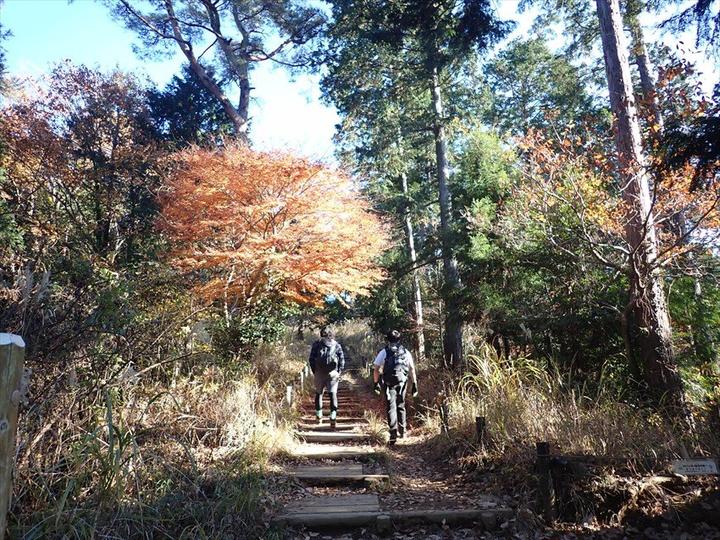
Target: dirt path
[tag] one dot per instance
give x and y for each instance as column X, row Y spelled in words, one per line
column 350, row 484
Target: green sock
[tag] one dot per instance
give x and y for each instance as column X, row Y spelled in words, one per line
column 333, row 415
column 318, row 413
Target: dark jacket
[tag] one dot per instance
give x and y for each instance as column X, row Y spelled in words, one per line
column 336, row 363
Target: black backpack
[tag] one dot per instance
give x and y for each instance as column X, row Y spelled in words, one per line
column 327, row 354
column 397, row 365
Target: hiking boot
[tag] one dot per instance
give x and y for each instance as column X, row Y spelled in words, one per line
column 333, row 419
column 319, row 417
column 393, row 437
column 401, row 434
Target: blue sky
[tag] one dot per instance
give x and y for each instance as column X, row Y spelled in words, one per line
column 286, row 113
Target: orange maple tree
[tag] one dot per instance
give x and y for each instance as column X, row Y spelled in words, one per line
column 247, row 224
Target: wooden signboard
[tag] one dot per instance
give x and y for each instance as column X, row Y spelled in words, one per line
column 695, row 467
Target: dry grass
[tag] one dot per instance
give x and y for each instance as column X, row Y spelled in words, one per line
column 144, row 460
column 523, row 402
column 377, row 428
column 162, row 455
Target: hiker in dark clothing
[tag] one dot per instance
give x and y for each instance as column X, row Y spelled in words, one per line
column 398, row 369
column 327, row 362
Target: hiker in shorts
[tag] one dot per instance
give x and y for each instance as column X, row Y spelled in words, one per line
column 327, row 362
column 398, row 369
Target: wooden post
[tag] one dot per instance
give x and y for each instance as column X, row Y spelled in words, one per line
column 480, row 430
column 302, row 380
column 444, row 414
column 12, row 356
column 289, row 395
column 308, row 375
column 545, row 485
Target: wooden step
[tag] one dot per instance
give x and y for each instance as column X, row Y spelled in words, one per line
column 334, row 452
column 343, row 416
column 334, row 474
column 312, row 420
column 334, row 504
column 490, row 518
column 341, row 408
column 331, row 436
column 326, row 426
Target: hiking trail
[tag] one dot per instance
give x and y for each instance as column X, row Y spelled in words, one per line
column 354, row 486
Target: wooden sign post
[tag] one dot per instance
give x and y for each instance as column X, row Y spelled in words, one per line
column 12, row 356
column 445, row 416
column 480, row 430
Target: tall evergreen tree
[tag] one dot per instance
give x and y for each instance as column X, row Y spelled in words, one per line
column 427, row 41
column 184, row 113
column 648, row 305
column 534, row 87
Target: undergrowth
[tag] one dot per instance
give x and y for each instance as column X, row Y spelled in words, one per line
column 182, row 450
column 146, row 459
column 524, row 401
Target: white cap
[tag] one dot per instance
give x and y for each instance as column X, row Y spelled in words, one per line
column 7, row 339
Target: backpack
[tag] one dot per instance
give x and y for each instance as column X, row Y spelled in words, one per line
column 327, row 355
column 397, row 365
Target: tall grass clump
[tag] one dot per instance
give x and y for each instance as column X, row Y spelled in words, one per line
column 525, row 400
column 143, row 459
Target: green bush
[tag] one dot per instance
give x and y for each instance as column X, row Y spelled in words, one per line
column 238, row 338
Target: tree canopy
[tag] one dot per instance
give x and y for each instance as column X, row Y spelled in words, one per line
column 263, row 224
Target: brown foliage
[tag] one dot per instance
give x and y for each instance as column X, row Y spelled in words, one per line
column 571, row 186
column 250, row 223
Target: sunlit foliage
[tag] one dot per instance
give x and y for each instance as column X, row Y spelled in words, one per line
column 250, row 223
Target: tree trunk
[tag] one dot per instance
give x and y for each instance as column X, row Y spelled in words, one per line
column 452, row 342
column 648, row 305
column 642, row 60
column 238, row 120
column 417, row 293
column 702, row 341
column 633, row 9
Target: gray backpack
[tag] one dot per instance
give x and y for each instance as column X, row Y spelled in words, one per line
column 397, row 365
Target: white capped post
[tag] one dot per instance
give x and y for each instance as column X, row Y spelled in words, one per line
column 12, row 357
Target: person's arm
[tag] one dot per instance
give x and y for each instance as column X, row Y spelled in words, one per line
column 378, row 363
column 340, row 359
column 313, row 356
column 413, row 373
